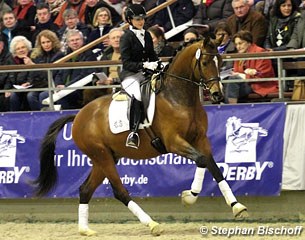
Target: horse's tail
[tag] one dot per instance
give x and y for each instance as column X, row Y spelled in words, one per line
column 48, row 172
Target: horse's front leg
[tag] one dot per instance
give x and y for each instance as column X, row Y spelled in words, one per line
column 203, row 160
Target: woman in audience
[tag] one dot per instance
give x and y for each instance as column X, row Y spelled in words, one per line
column 248, row 69
column 102, row 25
column 20, row 49
column 47, row 50
column 160, row 45
column 285, row 17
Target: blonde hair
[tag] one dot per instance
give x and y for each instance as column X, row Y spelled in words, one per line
column 98, row 11
column 38, row 50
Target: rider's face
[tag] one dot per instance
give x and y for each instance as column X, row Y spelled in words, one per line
column 138, row 22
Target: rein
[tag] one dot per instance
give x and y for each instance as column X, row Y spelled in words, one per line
column 202, row 82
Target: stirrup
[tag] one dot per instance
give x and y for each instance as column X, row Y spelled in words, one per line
column 133, row 140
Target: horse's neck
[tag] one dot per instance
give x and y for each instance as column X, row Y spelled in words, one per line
column 176, row 87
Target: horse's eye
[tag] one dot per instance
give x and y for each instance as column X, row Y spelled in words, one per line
column 204, row 63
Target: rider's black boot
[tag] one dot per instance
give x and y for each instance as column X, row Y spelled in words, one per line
column 133, row 139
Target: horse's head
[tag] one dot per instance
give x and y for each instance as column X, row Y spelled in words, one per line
column 206, row 64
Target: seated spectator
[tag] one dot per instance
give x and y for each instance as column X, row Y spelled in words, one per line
column 182, row 11
column 161, row 47
column 78, row 5
column 12, row 27
column 211, row 12
column 281, row 25
column 25, row 12
column 245, row 18
column 3, row 8
column 44, row 21
column 54, row 6
column 112, row 52
column 66, row 77
column 5, row 59
column 248, row 69
column 190, row 34
column 47, row 50
column 93, row 5
column 20, row 49
column 102, row 24
column 222, row 30
column 72, row 22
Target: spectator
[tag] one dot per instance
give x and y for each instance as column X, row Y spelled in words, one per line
column 137, row 52
column 222, row 30
column 182, row 11
column 248, row 69
column 281, row 25
column 78, row 5
column 297, row 39
column 3, row 8
column 66, row 77
column 93, row 5
column 161, row 47
column 25, row 12
column 54, row 7
column 5, row 59
column 112, row 52
column 190, row 34
column 245, row 18
column 12, row 28
column 20, row 49
column 102, row 24
column 72, row 22
column 211, row 12
column 47, row 50
column 44, row 21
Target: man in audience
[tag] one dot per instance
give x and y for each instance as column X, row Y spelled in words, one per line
column 72, row 22
column 245, row 18
column 112, row 52
column 66, row 77
column 44, row 21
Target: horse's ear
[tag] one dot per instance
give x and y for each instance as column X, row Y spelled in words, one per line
column 206, row 40
column 218, row 41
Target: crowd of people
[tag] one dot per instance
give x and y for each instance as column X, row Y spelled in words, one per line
column 43, row 31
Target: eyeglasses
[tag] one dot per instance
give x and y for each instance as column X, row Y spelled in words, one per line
column 103, row 15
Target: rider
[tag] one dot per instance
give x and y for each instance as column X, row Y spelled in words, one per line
column 137, row 54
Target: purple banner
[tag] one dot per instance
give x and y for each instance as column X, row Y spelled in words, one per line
column 247, row 142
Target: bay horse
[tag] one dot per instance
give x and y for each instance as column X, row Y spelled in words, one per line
column 179, row 121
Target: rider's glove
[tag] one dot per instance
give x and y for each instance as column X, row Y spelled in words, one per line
column 151, row 65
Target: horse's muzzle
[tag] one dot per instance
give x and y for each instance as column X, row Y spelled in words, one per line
column 217, row 97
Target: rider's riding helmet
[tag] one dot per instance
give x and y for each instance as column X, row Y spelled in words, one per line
column 134, row 11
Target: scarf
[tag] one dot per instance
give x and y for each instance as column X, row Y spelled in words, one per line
column 21, row 11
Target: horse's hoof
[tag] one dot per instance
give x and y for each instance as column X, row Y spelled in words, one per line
column 188, row 198
column 87, row 232
column 155, row 228
column 240, row 211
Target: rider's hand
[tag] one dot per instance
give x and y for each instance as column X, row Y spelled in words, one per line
column 151, row 65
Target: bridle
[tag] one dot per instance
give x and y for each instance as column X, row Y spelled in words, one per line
column 203, row 82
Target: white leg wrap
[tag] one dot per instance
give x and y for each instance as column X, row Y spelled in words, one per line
column 227, row 192
column 83, row 215
column 198, row 180
column 139, row 213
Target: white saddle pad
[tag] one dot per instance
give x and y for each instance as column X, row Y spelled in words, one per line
column 118, row 120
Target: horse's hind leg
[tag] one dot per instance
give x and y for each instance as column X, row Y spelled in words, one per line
column 122, row 194
column 86, row 191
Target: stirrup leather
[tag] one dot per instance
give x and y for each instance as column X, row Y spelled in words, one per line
column 133, row 140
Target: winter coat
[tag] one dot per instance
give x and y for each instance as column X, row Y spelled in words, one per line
column 264, row 70
column 254, row 22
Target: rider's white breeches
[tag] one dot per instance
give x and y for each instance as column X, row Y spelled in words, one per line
column 131, row 85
